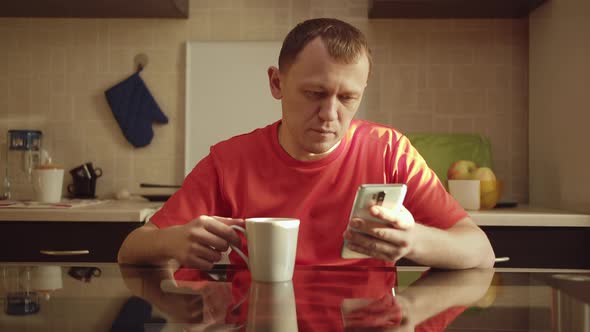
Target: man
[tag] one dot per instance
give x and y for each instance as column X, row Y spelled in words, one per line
column 308, row 165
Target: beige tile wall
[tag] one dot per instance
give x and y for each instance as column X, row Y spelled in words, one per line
column 430, row 76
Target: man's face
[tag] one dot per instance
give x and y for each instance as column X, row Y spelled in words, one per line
column 320, row 96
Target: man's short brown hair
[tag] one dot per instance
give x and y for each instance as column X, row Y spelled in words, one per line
column 343, row 41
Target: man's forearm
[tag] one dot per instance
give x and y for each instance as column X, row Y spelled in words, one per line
column 441, row 290
column 462, row 246
column 143, row 246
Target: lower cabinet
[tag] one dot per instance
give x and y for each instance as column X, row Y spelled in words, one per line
column 526, row 247
column 62, row 241
column 537, row 247
column 541, row 247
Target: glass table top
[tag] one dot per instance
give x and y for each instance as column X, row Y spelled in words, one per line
column 110, row 297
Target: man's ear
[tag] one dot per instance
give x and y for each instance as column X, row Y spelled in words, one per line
column 274, row 80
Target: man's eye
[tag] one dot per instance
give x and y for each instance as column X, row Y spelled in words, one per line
column 314, row 94
column 347, row 99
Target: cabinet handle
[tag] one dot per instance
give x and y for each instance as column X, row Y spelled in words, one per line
column 502, row 259
column 64, row 252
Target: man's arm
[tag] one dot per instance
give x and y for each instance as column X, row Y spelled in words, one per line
column 198, row 243
column 144, row 246
column 462, row 246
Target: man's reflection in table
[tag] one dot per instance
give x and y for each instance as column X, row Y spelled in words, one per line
column 317, row 299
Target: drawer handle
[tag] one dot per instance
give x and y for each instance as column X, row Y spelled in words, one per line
column 64, row 252
column 502, row 259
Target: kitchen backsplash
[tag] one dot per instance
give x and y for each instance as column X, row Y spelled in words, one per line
column 447, row 75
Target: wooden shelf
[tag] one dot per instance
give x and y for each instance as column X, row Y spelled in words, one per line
column 96, row 8
column 452, row 8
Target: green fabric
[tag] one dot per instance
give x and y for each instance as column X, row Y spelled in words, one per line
column 441, row 150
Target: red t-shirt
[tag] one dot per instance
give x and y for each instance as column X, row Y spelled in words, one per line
column 251, row 175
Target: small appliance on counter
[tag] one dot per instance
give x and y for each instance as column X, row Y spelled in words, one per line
column 23, row 153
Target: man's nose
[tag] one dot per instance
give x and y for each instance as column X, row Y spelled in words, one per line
column 329, row 109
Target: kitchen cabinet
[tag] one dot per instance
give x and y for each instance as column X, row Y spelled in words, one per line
column 530, row 237
column 62, row 241
column 84, row 234
column 452, row 8
column 96, row 9
column 541, row 247
column 535, row 237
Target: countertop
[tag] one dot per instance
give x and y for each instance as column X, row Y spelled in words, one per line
column 107, row 211
column 523, row 215
column 132, row 210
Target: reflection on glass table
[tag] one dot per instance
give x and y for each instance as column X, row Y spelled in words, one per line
column 109, row 297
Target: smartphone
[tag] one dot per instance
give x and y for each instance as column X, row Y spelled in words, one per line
column 390, row 196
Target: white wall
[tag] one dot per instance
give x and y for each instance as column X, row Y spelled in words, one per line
column 559, row 111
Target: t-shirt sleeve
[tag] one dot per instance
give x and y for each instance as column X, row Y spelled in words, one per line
column 198, row 195
column 427, row 199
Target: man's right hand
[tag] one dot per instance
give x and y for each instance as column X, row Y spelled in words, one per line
column 200, row 242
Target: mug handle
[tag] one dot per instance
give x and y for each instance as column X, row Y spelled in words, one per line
column 98, row 172
column 237, row 250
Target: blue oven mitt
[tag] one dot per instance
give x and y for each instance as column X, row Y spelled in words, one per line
column 135, row 109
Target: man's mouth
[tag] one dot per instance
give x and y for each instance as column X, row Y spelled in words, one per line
column 323, row 131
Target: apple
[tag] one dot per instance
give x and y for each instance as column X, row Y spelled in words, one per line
column 462, row 170
column 483, row 174
column 487, row 178
column 488, row 199
column 489, row 188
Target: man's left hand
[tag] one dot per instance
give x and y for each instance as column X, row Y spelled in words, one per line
column 390, row 240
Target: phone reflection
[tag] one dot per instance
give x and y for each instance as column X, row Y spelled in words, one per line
column 317, row 299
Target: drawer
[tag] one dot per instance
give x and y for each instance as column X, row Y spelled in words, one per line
column 62, row 241
column 541, row 247
column 537, row 247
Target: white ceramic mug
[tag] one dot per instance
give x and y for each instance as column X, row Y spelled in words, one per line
column 271, row 307
column 47, row 184
column 272, row 244
column 466, row 193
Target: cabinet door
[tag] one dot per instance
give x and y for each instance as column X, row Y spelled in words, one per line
column 62, row 241
column 537, row 247
column 541, row 247
column 97, row 9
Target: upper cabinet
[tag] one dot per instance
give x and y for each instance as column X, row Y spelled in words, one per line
column 452, row 8
column 96, row 8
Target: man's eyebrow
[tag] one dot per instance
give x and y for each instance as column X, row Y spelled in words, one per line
column 312, row 84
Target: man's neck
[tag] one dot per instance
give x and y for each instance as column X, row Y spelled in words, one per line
column 303, row 157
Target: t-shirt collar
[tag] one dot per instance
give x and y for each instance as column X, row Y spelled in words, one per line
column 285, row 157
